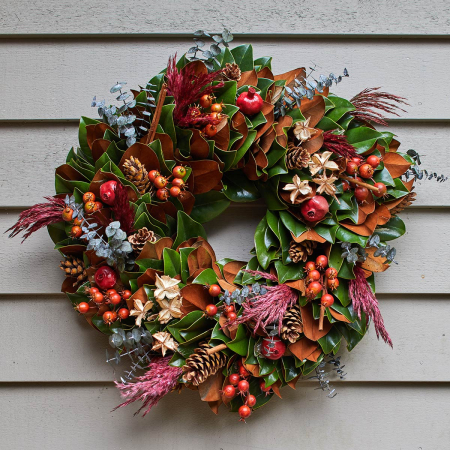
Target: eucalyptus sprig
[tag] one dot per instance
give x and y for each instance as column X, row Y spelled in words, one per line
column 208, row 56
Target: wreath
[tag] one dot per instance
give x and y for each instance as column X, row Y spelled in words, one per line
column 217, row 127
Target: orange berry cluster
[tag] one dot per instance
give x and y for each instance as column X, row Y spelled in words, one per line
column 215, row 114
column 110, row 297
column 320, row 278
column 161, row 183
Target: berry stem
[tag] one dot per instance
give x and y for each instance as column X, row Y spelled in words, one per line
column 360, row 183
column 216, row 349
column 322, row 315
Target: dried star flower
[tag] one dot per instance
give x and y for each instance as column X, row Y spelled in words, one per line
column 326, row 185
column 169, row 309
column 163, row 341
column 166, row 287
column 141, row 311
column 303, row 131
column 298, row 187
column 321, row 162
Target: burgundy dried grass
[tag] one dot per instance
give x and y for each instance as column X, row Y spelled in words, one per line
column 337, row 143
column 186, row 88
column 270, row 307
column 370, row 99
column 37, row 217
column 122, row 210
column 159, row 380
column 364, row 300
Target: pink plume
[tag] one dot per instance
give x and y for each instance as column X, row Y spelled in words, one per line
column 370, row 99
column 37, row 217
column 269, row 307
column 150, row 388
column 364, row 300
column 337, row 143
column 186, row 88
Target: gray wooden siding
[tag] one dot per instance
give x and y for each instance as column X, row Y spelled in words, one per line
column 55, row 389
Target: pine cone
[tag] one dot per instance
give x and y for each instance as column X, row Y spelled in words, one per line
column 300, row 252
column 199, row 366
column 231, row 72
column 74, row 267
column 135, row 172
column 138, row 240
column 292, row 324
column 406, row 201
column 297, row 157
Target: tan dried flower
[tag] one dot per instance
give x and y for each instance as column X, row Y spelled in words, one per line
column 326, row 185
column 169, row 309
column 303, row 131
column 141, row 310
column 163, row 341
column 298, row 187
column 166, row 287
column 322, row 162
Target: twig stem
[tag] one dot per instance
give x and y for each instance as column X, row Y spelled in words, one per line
column 360, row 183
column 216, row 349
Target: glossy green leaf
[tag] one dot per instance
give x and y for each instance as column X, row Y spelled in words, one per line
column 172, row 264
column 292, row 224
column 206, row 277
column 243, row 56
column 330, row 340
column 209, row 205
column 182, row 324
column 345, row 235
column 289, row 272
column 238, row 188
column 239, row 344
column 362, row 138
column 187, row 228
column 264, row 254
column 391, row 230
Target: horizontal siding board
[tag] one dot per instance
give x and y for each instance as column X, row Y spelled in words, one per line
column 40, row 147
column 375, row 417
column 294, row 17
column 61, row 346
column 68, row 73
column 33, row 266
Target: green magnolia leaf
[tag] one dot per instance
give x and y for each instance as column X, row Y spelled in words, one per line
column 266, row 366
column 239, row 344
column 243, row 56
column 342, row 293
column 341, row 107
column 184, row 253
column 345, row 235
column 82, row 135
column 217, row 333
column 187, row 228
column 167, row 124
column 184, row 323
column 290, row 369
column 362, row 138
column 172, row 263
column 207, row 277
column 330, row 340
column 391, row 230
column 288, row 272
column 346, row 271
column 264, row 252
column 350, row 335
column 209, row 205
column 292, row 224
column 238, row 188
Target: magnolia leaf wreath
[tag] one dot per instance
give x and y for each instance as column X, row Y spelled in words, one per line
column 217, row 127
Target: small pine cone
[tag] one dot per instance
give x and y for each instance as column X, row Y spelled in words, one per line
column 406, row 201
column 297, row 157
column 292, row 324
column 136, row 172
column 231, row 72
column 300, row 251
column 199, row 366
column 74, row 268
column 138, row 239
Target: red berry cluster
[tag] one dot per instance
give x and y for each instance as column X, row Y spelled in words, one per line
column 320, row 278
column 165, row 186
column 110, row 297
column 214, row 291
column 213, row 117
column 240, row 386
column 357, row 166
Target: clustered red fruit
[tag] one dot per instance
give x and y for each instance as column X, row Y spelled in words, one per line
column 365, row 170
column 162, row 183
column 239, row 385
column 315, row 282
column 110, row 297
